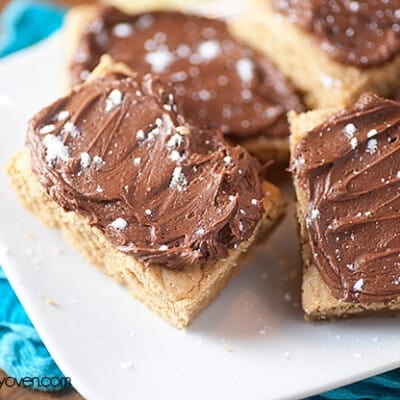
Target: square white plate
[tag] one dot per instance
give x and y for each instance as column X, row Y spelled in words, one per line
column 251, row 342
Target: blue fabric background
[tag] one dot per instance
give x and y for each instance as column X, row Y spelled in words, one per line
column 22, row 353
column 25, row 22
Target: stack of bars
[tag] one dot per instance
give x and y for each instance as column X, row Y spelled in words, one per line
column 153, row 163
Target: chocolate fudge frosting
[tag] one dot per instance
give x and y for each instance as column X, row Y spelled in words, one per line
column 219, row 82
column 349, row 169
column 361, row 33
column 116, row 150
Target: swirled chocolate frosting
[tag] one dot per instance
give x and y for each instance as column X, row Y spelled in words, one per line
column 219, row 82
column 363, row 33
column 349, row 169
column 116, row 150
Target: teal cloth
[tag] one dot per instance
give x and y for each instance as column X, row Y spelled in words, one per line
column 22, row 353
column 382, row 387
column 25, row 22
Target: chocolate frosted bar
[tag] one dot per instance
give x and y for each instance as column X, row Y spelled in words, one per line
column 219, row 82
column 359, row 33
column 168, row 209
column 347, row 177
column 331, row 50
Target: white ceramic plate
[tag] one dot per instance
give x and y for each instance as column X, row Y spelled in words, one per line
column 251, row 342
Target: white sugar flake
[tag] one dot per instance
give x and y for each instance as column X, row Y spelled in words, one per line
column 200, row 231
column 244, row 68
column 353, row 143
column 350, row 130
column 354, row 6
column 372, row 133
column 153, row 133
column 140, row 134
column 183, row 50
column 159, row 60
column 204, row 95
column 55, row 148
column 176, row 156
column 228, row 160
column 209, row 50
column 113, row 100
column 45, row 129
column 119, row 224
column 70, row 128
column 359, row 285
column 122, row 30
column 85, row 160
column 350, row 267
column 178, row 180
column 145, row 21
column 62, row 115
column 175, row 140
column 314, row 214
column 372, row 146
column 98, row 162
